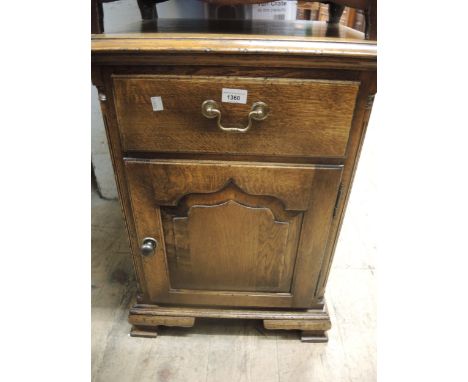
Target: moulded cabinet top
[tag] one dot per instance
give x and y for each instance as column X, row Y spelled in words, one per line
column 304, row 38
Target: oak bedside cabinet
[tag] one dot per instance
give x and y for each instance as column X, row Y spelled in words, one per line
column 234, row 146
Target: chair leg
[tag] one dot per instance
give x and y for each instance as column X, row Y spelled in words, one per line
column 371, row 21
column 334, row 12
column 97, row 17
column 148, row 9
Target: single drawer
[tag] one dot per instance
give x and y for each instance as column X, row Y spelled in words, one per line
column 306, row 118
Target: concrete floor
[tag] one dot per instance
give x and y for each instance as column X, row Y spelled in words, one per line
column 225, row 350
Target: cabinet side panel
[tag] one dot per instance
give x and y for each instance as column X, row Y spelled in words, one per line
column 361, row 118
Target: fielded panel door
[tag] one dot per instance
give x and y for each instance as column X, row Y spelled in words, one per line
column 232, row 233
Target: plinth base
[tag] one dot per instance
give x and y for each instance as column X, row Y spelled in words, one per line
column 313, row 323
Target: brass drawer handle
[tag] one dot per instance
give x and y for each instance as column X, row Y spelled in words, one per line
column 148, row 247
column 259, row 112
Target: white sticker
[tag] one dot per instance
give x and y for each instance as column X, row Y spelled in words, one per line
column 157, row 103
column 234, row 95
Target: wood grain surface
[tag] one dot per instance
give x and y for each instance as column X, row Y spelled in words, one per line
column 231, row 246
column 306, row 118
column 170, row 180
column 268, row 240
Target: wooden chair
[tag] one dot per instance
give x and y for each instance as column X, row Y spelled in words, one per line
column 147, row 9
column 335, row 10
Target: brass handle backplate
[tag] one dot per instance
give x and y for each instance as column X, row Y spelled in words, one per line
column 149, row 246
column 258, row 112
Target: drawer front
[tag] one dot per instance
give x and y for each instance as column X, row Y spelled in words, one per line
column 233, row 234
column 306, row 118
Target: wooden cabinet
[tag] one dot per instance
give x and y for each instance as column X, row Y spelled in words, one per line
column 233, row 208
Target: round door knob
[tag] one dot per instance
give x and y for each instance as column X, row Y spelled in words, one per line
column 148, row 247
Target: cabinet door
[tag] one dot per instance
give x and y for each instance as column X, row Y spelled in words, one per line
column 231, row 233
